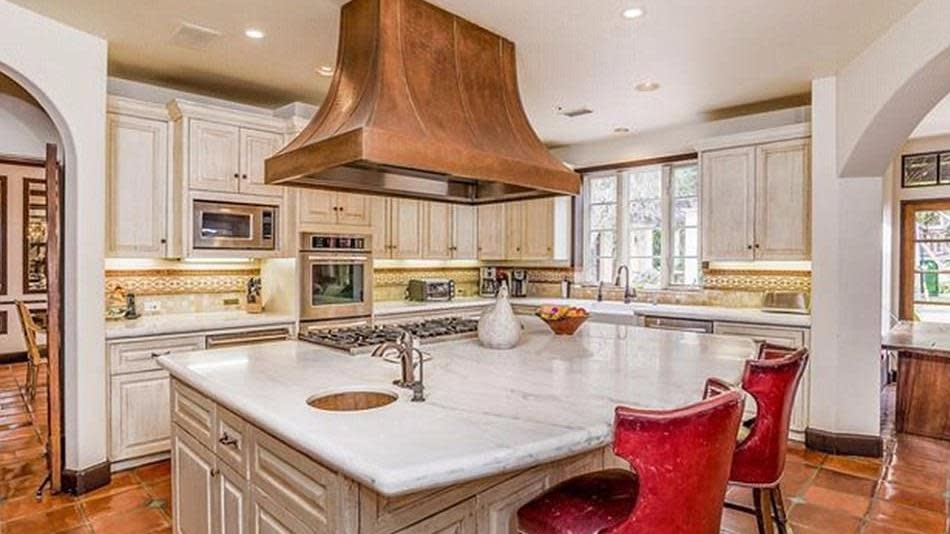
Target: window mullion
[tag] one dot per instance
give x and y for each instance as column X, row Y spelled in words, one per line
column 623, row 201
column 666, row 233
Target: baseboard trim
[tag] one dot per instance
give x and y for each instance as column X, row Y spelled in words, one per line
column 846, row 444
column 86, row 480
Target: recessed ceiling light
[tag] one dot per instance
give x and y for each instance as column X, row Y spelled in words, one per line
column 254, row 33
column 633, row 13
column 646, row 87
column 621, row 130
column 325, row 70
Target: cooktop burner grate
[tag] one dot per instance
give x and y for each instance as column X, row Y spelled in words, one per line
column 365, row 338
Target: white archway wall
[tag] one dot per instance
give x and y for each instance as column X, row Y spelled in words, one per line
column 65, row 70
column 884, row 93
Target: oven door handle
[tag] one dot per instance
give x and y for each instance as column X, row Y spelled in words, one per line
column 338, row 259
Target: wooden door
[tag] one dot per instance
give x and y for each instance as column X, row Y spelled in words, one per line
column 257, row 146
column 213, row 156
column 193, row 493
column 353, row 209
column 379, row 226
column 136, row 187
column 139, row 416
column 464, row 232
column 232, row 506
column 538, row 230
column 436, row 231
column 925, row 260
column 54, row 315
column 316, row 207
column 406, row 228
column 783, row 201
column 728, row 197
column 514, row 230
column 491, row 232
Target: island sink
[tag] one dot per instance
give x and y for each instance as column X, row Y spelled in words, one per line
column 352, row 401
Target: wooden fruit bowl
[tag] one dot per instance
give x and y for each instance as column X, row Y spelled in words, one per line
column 566, row 326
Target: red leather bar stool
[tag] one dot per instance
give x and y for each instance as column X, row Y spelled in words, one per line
column 759, row 458
column 680, row 465
column 771, row 351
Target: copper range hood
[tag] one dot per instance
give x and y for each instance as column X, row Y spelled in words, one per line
column 423, row 104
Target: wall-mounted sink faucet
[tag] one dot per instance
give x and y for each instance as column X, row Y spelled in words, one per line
column 405, row 348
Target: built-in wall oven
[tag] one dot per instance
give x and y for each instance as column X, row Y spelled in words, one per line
column 234, row 226
column 336, row 277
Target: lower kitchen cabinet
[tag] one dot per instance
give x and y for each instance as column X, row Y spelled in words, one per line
column 232, row 501
column 193, row 494
column 140, row 414
column 789, row 337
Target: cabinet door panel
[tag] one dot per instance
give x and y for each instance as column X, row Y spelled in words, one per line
column 213, row 156
column 192, row 486
column 352, row 209
column 137, row 183
column 437, row 231
column 232, row 502
column 783, row 201
column 269, row 518
column 538, row 230
column 139, row 418
column 464, row 233
column 316, row 207
column 514, row 230
column 491, row 232
column 379, row 221
column 728, row 190
column 257, row 146
column 459, row 519
column 406, row 228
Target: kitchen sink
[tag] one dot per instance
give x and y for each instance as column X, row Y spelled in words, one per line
column 352, row 400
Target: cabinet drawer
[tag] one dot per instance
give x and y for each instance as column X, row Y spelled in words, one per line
column 231, row 440
column 791, row 337
column 135, row 356
column 306, row 489
column 193, row 412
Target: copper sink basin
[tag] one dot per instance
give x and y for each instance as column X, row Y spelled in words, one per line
column 352, row 401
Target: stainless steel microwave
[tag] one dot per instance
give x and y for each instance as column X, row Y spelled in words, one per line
column 234, row 226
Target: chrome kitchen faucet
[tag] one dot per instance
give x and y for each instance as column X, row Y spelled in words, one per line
column 405, row 348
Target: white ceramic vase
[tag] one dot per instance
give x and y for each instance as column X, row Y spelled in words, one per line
column 499, row 327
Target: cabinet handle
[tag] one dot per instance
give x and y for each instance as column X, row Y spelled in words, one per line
column 756, row 245
column 228, row 441
column 159, row 354
column 214, row 472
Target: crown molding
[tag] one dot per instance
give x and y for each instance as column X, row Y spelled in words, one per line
column 755, row 137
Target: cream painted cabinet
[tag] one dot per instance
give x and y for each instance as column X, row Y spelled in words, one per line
column 331, row 208
column 138, row 164
column 464, row 232
column 139, row 414
column 232, row 501
column 213, row 156
column 436, row 231
column 537, row 230
column 405, row 229
column 728, row 198
column 783, row 201
column 379, row 225
column 193, row 491
column 757, row 202
column 491, row 232
column 537, row 242
column 256, row 147
column 514, row 230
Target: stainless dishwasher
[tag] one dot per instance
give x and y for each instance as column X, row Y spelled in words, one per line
column 684, row 325
column 216, row 341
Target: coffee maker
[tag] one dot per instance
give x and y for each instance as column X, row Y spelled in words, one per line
column 488, row 282
column 519, row 283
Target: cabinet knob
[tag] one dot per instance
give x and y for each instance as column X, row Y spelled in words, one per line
column 756, row 245
column 164, row 241
column 244, row 176
column 237, row 175
column 748, row 247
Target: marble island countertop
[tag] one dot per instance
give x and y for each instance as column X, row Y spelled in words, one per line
column 486, row 411
column 183, row 323
column 612, row 308
column 919, row 336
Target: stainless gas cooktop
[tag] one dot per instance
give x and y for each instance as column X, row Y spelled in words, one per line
column 362, row 339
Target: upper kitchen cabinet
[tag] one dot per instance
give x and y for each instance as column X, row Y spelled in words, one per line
column 531, row 230
column 137, row 185
column 256, row 146
column 316, row 207
column 756, row 191
column 405, row 228
column 449, row 232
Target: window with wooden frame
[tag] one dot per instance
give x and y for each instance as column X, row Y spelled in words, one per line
column 645, row 217
column 925, row 260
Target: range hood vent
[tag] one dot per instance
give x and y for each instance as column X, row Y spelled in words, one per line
column 423, row 104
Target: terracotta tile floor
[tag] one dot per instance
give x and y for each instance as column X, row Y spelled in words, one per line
column 906, row 491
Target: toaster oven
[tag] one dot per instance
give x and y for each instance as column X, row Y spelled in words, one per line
column 430, row 289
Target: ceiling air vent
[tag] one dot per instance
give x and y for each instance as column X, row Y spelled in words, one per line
column 194, row 37
column 571, row 113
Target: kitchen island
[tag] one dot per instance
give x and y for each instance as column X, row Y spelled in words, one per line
column 923, row 377
column 497, row 427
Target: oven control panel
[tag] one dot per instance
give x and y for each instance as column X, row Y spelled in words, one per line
column 336, row 242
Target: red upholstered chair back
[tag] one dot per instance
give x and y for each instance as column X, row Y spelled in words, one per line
column 772, row 351
column 760, row 458
column 682, row 460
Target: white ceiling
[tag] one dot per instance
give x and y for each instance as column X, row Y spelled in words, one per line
column 707, row 54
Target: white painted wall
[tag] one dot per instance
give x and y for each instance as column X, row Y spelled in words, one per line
column 846, row 283
column 679, row 139
column 24, row 126
column 65, row 70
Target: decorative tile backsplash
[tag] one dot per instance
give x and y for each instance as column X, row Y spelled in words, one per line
column 748, row 280
column 180, row 282
column 390, row 284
